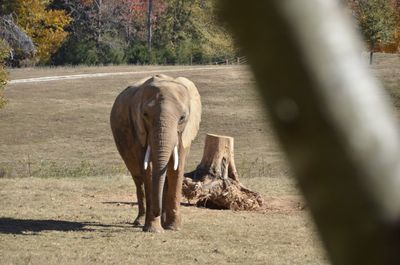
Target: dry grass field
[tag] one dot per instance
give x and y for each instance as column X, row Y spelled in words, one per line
column 61, row 128
column 65, row 197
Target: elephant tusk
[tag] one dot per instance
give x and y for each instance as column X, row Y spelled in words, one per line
column 176, row 158
column 146, row 158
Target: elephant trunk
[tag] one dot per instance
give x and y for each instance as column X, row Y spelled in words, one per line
column 162, row 146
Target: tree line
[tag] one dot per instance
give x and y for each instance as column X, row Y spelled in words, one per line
column 94, row 32
column 97, row 32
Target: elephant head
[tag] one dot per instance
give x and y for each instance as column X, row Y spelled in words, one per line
column 166, row 117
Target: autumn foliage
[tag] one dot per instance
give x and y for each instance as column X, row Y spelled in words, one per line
column 4, row 53
column 96, row 32
column 46, row 27
column 101, row 32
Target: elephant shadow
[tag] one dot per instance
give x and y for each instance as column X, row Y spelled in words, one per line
column 120, row 203
column 187, row 204
column 32, row 227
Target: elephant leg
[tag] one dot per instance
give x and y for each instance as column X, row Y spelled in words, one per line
column 152, row 223
column 139, row 221
column 173, row 220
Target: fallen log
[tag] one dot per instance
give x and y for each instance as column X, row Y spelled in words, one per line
column 215, row 182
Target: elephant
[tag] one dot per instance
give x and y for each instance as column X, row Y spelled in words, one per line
column 153, row 123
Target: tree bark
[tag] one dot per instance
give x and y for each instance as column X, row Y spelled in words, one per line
column 371, row 53
column 149, row 24
column 215, row 182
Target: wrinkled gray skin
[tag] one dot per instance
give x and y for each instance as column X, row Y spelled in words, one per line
column 160, row 112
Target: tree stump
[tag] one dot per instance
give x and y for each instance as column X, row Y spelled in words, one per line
column 215, row 183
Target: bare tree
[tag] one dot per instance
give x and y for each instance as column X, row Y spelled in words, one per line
column 16, row 38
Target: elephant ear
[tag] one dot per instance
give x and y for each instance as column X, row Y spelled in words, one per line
column 136, row 110
column 192, row 125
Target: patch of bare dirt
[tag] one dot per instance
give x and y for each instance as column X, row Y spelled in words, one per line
column 283, row 204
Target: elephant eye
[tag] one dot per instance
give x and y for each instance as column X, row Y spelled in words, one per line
column 145, row 114
column 182, row 118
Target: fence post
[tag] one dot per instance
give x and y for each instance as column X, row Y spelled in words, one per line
column 332, row 120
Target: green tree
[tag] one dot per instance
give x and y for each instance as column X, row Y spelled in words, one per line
column 376, row 21
column 214, row 40
column 189, row 31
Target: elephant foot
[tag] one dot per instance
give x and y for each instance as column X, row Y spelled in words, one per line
column 174, row 224
column 153, row 225
column 172, row 227
column 139, row 221
column 153, row 229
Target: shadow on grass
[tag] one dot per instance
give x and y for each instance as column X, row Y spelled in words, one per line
column 28, row 226
column 121, row 203
column 186, row 204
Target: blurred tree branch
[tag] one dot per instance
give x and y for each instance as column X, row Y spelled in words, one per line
column 332, row 120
